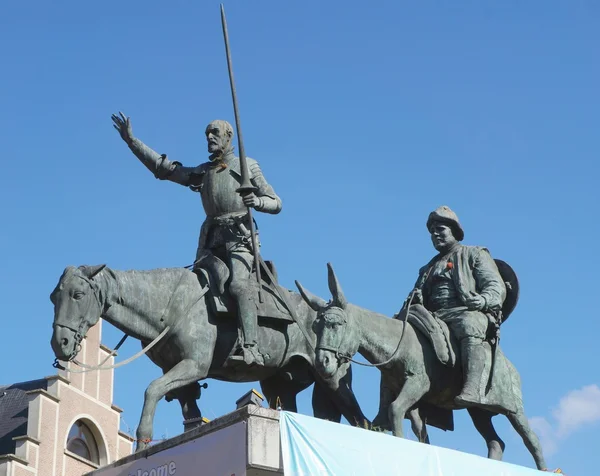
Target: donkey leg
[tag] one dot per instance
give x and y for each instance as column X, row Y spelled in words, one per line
column 412, row 391
column 351, row 408
column 482, row 419
column 521, row 425
column 418, row 426
column 381, row 422
column 339, row 387
column 185, row 372
column 323, row 405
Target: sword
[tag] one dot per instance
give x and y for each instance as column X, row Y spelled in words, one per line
column 246, row 186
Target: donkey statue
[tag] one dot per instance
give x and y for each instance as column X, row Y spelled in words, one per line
column 411, row 374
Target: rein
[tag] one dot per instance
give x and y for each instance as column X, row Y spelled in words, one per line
column 287, row 303
column 341, row 356
column 91, row 368
column 344, row 357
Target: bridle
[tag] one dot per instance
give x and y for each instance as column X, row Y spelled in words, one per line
column 78, row 333
column 340, row 314
column 347, row 358
column 78, row 337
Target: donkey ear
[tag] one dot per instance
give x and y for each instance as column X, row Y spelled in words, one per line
column 339, row 299
column 91, row 271
column 315, row 302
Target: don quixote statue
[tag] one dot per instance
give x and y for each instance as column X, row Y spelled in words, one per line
column 227, row 317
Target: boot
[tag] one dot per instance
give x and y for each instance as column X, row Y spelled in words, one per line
column 473, row 359
column 248, row 316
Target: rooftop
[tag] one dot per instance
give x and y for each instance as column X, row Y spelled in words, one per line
column 14, row 411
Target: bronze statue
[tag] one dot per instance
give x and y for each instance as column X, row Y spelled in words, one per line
column 460, row 299
column 462, row 287
column 225, row 238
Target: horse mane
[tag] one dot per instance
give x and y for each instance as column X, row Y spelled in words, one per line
column 123, row 279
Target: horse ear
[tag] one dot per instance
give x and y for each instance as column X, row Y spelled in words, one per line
column 339, row 299
column 91, row 271
column 315, row 302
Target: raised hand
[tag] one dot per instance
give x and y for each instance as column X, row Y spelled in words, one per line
column 123, row 125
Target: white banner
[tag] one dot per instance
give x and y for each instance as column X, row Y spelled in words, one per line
column 312, row 447
column 221, row 453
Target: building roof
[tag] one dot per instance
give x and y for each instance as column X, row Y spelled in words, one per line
column 14, row 411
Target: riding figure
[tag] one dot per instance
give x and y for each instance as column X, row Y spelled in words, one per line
column 224, row 235
column 462, row 287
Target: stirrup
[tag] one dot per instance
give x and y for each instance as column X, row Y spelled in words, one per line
column 467, row 398
column 252, row 355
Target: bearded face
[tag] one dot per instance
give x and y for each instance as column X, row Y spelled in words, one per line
column 218, row 137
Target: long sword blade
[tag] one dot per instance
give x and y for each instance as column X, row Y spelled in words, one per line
column 246, row 185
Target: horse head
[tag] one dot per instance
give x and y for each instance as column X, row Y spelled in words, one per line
column 337, row 337
column 77, row 307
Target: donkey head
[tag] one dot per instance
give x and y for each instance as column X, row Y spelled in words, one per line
column 337, row 338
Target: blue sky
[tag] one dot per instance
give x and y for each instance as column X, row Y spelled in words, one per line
column 364, row 119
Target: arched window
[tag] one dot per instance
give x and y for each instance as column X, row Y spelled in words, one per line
column 81, row 441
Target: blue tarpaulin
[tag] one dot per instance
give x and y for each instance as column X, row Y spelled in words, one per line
column 312, row 447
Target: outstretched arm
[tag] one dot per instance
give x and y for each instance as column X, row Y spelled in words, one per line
column 158, row 164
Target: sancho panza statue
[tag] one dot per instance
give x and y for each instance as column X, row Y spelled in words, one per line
column 224, row 234
column 461, row 286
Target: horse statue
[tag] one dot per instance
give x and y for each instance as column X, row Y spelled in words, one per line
column 411, row 374
column 172, row 309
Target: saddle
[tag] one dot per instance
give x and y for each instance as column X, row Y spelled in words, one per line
column 436, row 331
column 214, row 273
column 439, row 335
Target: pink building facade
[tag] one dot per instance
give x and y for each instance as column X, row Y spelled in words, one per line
column 65, row 424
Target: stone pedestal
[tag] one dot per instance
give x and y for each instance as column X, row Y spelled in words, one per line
column 245, row 441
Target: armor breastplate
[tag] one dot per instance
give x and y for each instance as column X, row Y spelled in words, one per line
column 219, row 185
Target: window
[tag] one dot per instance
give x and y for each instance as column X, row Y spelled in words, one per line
column 81, row 441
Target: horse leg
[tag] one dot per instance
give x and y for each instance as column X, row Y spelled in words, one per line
column 482, row 419
column 521, row 425
column 187, row 397
column 185, row 372
column 412, row 391
column 418, row 427
column 323, row 405
column 281, row 392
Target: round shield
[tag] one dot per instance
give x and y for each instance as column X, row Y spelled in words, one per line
column 512, row 288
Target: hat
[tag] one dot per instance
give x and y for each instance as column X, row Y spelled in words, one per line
column 443, row 214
